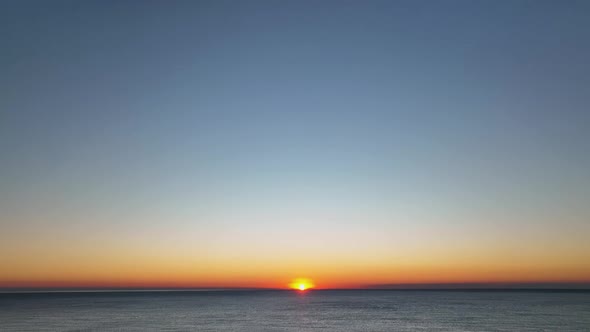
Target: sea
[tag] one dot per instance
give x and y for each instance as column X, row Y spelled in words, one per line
column 312, row 310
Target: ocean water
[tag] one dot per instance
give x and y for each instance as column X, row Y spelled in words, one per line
column 314, row 310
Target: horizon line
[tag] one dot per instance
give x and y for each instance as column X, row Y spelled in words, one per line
column 556, row 286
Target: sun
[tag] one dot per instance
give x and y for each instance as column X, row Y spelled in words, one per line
column 301, row 284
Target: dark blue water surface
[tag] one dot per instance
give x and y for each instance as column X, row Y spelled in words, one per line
column 362, row 310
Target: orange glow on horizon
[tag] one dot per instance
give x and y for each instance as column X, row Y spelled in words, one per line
column 164, row 266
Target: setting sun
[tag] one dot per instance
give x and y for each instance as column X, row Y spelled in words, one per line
column 301, row 284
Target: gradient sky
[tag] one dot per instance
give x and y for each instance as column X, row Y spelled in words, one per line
column 247, row 143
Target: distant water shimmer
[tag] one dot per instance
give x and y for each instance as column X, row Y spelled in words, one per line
column 293, row 311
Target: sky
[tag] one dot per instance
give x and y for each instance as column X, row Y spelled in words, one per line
column 248, row 143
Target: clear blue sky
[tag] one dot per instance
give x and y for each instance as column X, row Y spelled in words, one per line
column 397, row 123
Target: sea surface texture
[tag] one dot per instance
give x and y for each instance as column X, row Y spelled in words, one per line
column 297, row 311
